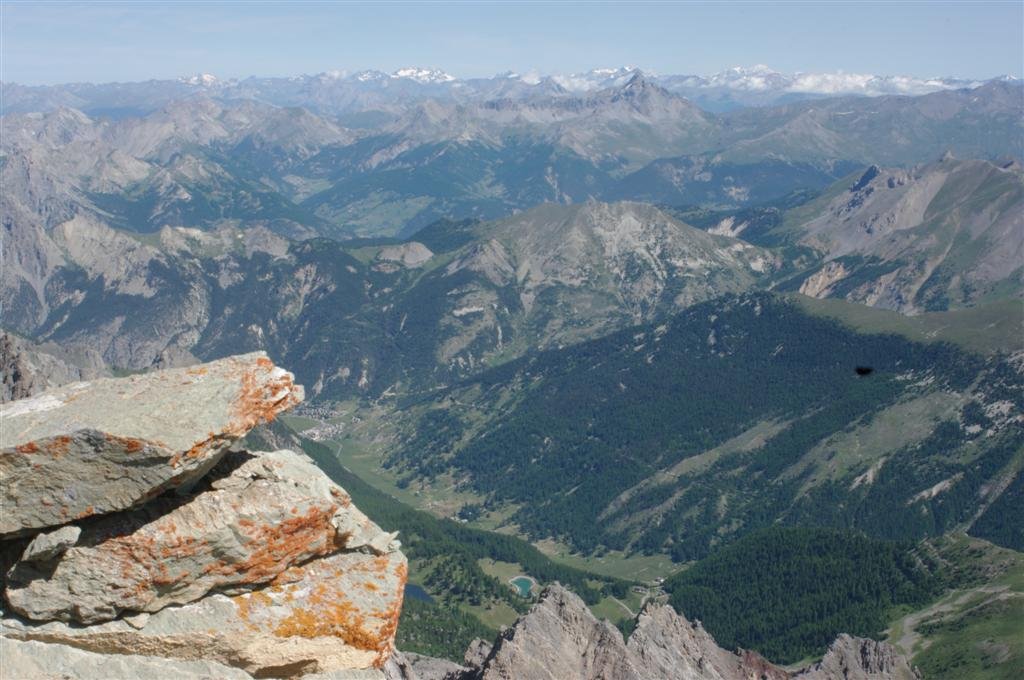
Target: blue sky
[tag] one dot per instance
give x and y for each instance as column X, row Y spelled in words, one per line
column 45, row 42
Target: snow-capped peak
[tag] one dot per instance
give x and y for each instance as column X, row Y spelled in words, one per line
column 201, row 79
column 423, row 75
column 367, row 76
column 754, row 78
column 596, row 79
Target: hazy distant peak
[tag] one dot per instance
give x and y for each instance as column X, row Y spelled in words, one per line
column 423, row 75
column 201, row 79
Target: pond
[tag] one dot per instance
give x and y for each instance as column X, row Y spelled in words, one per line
column 417, row 593
column 523, row 584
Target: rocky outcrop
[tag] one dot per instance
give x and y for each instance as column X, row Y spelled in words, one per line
column 853, row 658
column 93, row 448
column 275, row 510
column 561, row 639
column 244, row 564
column 412, row 666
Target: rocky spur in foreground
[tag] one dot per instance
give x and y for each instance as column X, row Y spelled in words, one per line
column 134, row 529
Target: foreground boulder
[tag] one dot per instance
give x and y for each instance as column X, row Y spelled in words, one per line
column 102, row 446
column 188, row 559
column 271, row 512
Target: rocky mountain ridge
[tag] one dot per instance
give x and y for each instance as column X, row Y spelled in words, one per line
column 415, row 313
column 410, row 314
column 945, row 235
column 196, row 161
column 559, row 639
column 27, row 368
column 343, row 91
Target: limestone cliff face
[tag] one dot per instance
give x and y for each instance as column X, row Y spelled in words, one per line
column 559, row 639
column 132, row 528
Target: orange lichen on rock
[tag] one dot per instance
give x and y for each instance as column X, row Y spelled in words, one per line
column 58, row 446
column 259, row 401
column 127, row 444
column 354, row 597
column 198, row 449
column 391, row 617
column 280, row 545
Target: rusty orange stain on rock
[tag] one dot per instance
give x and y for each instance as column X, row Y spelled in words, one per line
column 58, row 445
column 255, row 402
column 30, row 447
column 129, row 444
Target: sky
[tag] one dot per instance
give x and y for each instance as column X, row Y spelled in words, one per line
column 58, row 42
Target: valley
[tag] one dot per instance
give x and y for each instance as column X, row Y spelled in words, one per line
column 594, row 346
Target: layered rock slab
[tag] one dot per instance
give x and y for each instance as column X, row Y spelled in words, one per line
column 93, row 448
column 41, row 661
column 331, row 614
column 267, row 513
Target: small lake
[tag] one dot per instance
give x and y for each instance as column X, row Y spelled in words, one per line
column 417, row 593
column 523, row 585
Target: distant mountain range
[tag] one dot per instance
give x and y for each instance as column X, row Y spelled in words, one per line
column 341, row 92
column 369, row 317
column 196, row 161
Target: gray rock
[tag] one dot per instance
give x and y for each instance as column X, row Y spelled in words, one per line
column 27, row 368
column 667, row 645
column 399, row 667
column 560, row 639
column 48, row 546
column 97, row 447
column 351, row 674
column 477, row 653
column 43, row 661
column 274, row 511
column 853, row 658
column 421, row 667
column 332, row 614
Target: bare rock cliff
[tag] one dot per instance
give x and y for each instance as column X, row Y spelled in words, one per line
column 559, row 639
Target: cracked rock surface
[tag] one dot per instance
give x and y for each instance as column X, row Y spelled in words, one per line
column 98, row 447
column 139, row 545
